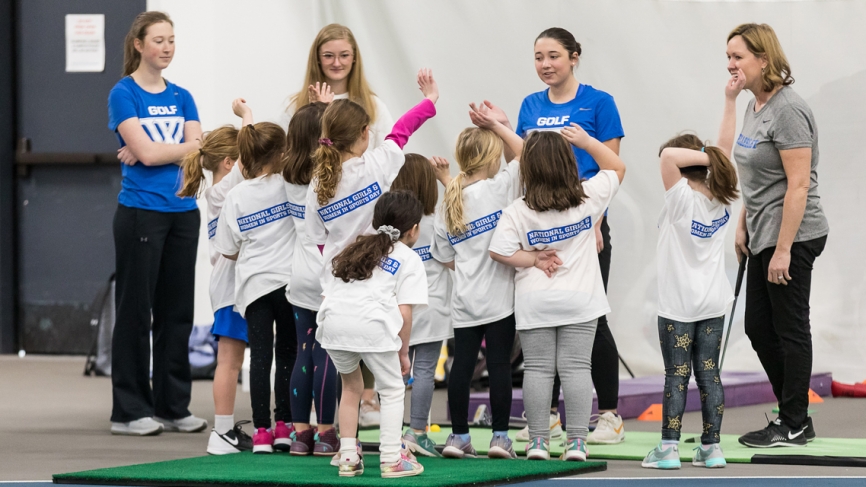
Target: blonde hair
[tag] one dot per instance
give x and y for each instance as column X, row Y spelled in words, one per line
column 476, row 150
column 359, row 90
column 342, row 125
column 216, row 145
column 761, row 41
column 138, row 30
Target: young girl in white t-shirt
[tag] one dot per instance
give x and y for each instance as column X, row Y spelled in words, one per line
column 694, row 291
column 218, row 153
column 314, row 379
column 367, row 315
column 432, row 324
column 549, row 236
column 348, row 177
column 256, row 230
column 482, row 300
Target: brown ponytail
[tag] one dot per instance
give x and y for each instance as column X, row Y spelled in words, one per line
column 216, row 145
column 720, row 177
column 476, row 150
column 418, row 177
column 138, row 30
column 399, row 209
column 261, row 147
column 342, row 125
column 302, row 140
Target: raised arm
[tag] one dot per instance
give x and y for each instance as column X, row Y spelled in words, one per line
column 140, row 148
column 420, row 113
column 674, row 158
column 728, row 127
column 605, row 158
column 241, row 109
column 484, row 117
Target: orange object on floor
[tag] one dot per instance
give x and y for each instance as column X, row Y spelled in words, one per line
column 652, row 413
column 814, row 398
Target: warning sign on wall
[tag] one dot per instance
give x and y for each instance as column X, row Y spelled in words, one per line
column 85, row 43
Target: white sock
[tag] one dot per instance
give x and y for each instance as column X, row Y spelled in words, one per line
column 223, row 424
column 670, row 442
column 349, row 448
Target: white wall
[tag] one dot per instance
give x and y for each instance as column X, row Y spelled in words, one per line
column 663, row 61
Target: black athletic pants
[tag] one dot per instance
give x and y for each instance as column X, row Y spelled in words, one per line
column 261, row 315
column 605, row 357
column 777, row 323
column 499, row 337
column 155, row 263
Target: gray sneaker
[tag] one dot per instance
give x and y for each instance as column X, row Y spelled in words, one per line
column 663, row 458
column 420, row 444
column 500, row 447
column 713, row 457
column 189, row 424
column 455, row 447
column 139, row 427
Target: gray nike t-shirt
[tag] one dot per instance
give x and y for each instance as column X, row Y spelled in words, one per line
column 785, row 122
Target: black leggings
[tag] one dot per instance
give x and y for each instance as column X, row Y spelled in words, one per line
column 605, row 357
column 314, row 378
column 499, row 337
column 261, row 315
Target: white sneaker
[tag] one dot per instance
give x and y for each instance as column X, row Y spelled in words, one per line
column 555, row 428
column 369, row 414
column 139, row 427
column 609, row 431
column 189, row 424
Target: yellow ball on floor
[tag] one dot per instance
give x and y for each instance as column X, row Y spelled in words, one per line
column 434, row 428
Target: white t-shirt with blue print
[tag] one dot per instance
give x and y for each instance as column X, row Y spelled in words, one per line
column 483, row 290
column 692, row 282
column 162, row 116
column 305, row 289
column 222, row 278
column 256, row 224
column 592, row 109
column 364, row 316
column 575, row 293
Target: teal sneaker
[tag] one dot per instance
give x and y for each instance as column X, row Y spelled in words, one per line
column 663, row 458
column 420, row 444
column 538, row 449
column 575, row 450
column 713, row 457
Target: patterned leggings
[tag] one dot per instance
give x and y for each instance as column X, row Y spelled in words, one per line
column 687, row 345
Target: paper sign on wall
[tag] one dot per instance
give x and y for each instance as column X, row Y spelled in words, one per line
column 85, row 43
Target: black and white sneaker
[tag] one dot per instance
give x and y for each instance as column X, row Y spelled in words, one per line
column 809, row 428
column 775, row 434
column 235, row 441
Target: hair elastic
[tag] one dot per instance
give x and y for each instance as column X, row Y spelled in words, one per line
column 200, row 151
column 390, row 231
column 702, row 149
column 326, row 142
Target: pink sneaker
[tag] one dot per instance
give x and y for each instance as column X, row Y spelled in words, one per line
column 263, row 441
column 283, row 436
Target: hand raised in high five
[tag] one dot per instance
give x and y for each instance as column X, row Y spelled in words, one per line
column 482, row 116
column 427, row 84
column 241, row 109
column 497, row 113
column 576, row 136
column 320, row 92
column 442, row 169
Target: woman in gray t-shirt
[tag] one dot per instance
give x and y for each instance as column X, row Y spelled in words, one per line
column 782, row 228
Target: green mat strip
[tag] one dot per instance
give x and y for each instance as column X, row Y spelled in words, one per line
column 281, row 469
column 638, row 444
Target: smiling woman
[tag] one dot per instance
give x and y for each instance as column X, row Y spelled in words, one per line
column 335, row 60
column 155, row 237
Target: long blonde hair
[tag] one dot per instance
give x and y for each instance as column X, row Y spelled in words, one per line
column 216, row 145
column 359, row 90
column 476, row 150
column 342, row 124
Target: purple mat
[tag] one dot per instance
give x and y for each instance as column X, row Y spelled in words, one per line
column 636, row 395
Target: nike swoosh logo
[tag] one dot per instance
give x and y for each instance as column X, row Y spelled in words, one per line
column 230, row 442
column 791, row 437
column 765, row 121
column 619, row 430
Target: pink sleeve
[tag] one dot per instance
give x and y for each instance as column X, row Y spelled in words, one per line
column 411, row 121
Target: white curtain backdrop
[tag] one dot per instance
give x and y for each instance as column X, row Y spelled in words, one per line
column 664, row 63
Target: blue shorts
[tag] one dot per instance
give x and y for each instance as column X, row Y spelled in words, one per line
column 229, row 323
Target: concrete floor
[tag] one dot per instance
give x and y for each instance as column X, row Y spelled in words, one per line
column 55, row 420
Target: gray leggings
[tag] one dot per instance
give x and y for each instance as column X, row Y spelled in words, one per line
column 424, row 357
column 568, row 350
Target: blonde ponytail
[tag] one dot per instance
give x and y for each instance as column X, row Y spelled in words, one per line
column 453, row 206
column 477, row 149
column 329, row 170
column 216, row 146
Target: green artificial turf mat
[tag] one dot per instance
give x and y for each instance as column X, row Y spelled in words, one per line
column 283, row 469
column 638, row 444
